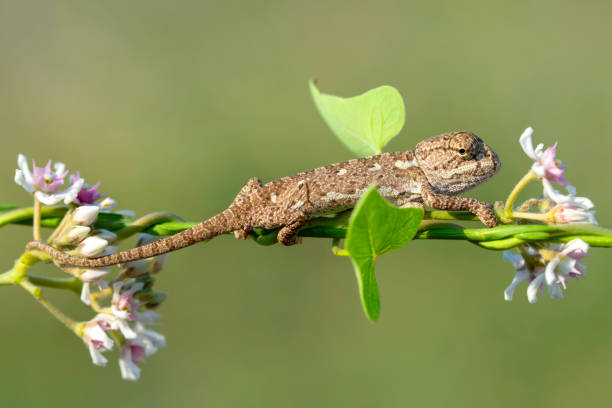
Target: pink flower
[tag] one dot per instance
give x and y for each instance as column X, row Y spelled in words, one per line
column 44, row 183
column 133, row 351
column 567, row 264
column 569, row 208
column 46, row 180
column 546, row 166
column 564, row 265
column 87, row 194
column 123, row 303
column 94, row 335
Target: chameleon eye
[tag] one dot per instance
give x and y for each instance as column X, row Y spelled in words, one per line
column 462, row 151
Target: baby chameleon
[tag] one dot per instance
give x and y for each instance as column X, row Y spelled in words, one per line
column 432, row 174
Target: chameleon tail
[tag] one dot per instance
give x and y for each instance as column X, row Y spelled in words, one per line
column 221, row 223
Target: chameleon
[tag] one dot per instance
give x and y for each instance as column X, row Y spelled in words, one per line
column 432, row 174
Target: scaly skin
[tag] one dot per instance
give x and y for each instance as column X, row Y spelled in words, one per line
column 432, row 174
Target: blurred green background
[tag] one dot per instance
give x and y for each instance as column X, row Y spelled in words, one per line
column 174, row 105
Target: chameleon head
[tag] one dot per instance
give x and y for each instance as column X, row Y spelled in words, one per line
column 457, row 161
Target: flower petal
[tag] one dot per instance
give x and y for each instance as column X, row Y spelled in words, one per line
column 22, row 162
column 575, row 245
column 549, row 272
column 85, row 294
column 532, row 289
column 527, row 144
column 129, row 370
column 20, row 179
column 96, row 356
column 519, row 277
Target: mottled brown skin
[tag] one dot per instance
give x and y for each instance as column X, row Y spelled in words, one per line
column 432, row 174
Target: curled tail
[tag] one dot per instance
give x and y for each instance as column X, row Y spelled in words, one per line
column 221, row 223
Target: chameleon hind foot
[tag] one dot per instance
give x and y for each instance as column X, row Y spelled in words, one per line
column 241, row 234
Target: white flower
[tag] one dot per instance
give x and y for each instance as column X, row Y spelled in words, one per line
column 546, row 166
column 134, row 350
column 567, row 200
column 89, row 276
column 44, row 183
column 123, row 304
column 567, row 263
column 94, row 335
column 569, row 208
column 522, row 273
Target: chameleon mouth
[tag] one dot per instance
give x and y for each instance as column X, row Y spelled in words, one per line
column 491, row 155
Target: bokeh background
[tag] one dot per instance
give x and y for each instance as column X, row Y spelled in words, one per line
column 174, row 105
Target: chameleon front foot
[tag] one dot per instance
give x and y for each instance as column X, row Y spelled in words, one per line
column 486, row 214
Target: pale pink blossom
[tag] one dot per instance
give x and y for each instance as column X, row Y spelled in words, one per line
column 94, row 335
column 569, row 208
column 87, row 194
column 554, row 274
column 545, row 165
column 44, row 183
column 134, row 351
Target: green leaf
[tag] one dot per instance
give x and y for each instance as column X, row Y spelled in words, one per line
column 377, row 227
column 364, row 123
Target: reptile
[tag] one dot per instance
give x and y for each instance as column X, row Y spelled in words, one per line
column 432, row 174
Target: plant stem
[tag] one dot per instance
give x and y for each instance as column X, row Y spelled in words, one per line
column 73, row 284
column 61, row 227
column 336, row 250
column 27, row 214
column 37, row 293
column 37, row 210
column 544, row 217
column 527, row 178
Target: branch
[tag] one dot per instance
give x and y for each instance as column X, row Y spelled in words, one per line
column 498, row 238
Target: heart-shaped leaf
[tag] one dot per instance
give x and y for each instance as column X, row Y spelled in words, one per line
column 364, row 123
column 377, row 227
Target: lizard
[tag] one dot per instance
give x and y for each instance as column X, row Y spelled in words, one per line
column 432, row 174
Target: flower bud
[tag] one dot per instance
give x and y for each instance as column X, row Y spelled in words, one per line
column 157, row 299
column 73, row 235
column 105, row 234
column 147, row 281
column 85, row 215
column 566, row 214
column 108, row 204
column 92, row 247
column 159, row 262
column 138, row 268
column 93, row 275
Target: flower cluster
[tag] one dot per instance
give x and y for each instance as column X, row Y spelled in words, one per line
column 126, row 319
column 550, row 265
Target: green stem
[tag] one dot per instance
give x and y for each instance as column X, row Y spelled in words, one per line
column 37, row 210
column 336, row 250
column 37, row 294
column 20, row 270
column 146, row 222
column 73, row 284
column 27, row 214
column 61, row 227
column 527, row 178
